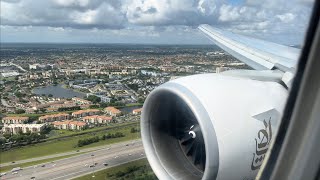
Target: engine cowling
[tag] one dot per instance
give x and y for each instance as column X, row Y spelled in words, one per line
column 210, row 126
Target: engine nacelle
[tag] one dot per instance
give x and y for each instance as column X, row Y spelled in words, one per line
column 210, row 126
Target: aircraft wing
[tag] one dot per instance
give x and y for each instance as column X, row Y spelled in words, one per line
column 258, row 54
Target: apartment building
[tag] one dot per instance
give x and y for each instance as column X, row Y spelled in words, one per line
column 87, row 112
column 54, row 117
column 137, row 111
column 80, row 101
column 70, row 125
column 112, row 111
column 97, row 119
column 24, row 128
column 14, row 120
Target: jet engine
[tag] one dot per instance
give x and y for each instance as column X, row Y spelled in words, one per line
column 210, row 126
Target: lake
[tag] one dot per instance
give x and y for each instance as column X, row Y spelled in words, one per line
column 129, row 109
column 58, row 92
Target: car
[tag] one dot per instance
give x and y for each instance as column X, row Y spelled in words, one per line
column 85, row 165
column 15, row 172
column 43, row 165
column 127, row 144
column 33, row 177
column 108, row 148
column 92, row 165
column 16, row 169
column 142, row 154
column 129, row 154
column 78, row 150
column 105, row 164
column 13, row 162
column 95, row 163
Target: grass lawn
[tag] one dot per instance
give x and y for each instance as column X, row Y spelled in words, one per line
column 63, row 133
column 39, row 114
column 134, row 170
column 8, row 168
column 65, row 145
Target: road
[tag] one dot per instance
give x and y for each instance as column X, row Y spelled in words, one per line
column 79, row 165
column 66, row 153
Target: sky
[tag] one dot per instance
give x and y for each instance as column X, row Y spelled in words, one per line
column 150, row 21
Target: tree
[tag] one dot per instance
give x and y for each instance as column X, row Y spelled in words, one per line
column 20, row 111
column 19, row 94
column 43, row 110
column 94, row 99
column 141, row 100
column 94, row 106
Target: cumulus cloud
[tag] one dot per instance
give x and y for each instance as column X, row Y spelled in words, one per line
column 249, row 16
column 63, row 13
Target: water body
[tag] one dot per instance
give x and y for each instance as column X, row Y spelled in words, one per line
column 58, row 92
column 129, row 109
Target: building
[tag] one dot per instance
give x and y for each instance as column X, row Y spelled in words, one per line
column 54, row 117
column 87, row 112
column 97, row 119
column 24, row 128
column 112, row 111
column 64, row 105
column 10, row 74
column 34, row 66
column 103, row 98
column 80, row 101
column 137, row 111
column 14, row 120
column 70, row 125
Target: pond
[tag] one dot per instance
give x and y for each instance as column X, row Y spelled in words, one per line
column 58, row 92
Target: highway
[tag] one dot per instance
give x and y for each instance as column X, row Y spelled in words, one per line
column 79, row 165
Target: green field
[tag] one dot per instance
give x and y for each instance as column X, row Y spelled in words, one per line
column 64, row 145
column 8, row 168
column 62, row 133
column 135, row 170
column 38, row 114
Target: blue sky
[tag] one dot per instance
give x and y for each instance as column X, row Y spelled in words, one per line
column 150, row 21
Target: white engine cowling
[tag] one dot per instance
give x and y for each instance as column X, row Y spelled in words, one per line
column 210, row 126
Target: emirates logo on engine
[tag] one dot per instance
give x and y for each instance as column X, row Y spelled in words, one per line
column 262, row 145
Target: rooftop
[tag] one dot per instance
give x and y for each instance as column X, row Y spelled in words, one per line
column 86, row 111
column 112, row 109
column 53, row 115
column 22, row 118
column 24, row 125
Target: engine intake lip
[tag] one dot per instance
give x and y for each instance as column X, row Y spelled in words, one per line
column 163, row 152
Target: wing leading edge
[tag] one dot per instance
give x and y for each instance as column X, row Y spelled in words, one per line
column 258, row 54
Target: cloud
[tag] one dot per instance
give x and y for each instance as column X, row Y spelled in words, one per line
column 63, row 13
column 173, row 12
column 254, row 17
